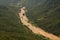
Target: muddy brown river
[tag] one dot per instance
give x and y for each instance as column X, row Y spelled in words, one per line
column 36, row 30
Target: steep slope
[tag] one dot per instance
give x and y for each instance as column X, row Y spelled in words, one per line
column 8, row 2
column 33, row 28
column 11, row 27
column 45, row 14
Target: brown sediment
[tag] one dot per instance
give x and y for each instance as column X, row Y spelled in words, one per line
column 35, row 29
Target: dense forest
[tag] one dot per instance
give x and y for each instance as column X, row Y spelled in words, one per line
column 45, row 14
column 11, row 27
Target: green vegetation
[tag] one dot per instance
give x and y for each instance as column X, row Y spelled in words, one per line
column 11, row 27
column 46, row 15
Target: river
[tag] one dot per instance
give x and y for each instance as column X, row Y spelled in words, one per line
column 36, row 30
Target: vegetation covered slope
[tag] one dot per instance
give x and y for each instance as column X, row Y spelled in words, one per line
column 7, row 2
column 47, row 17
column 44, row 13
column 11, row 27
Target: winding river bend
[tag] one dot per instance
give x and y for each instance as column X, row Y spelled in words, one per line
column 24, row 20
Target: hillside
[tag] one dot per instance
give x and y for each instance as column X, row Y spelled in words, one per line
column 44, row 13
column 47, row 16
column 11, row 27
column 8, row 2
